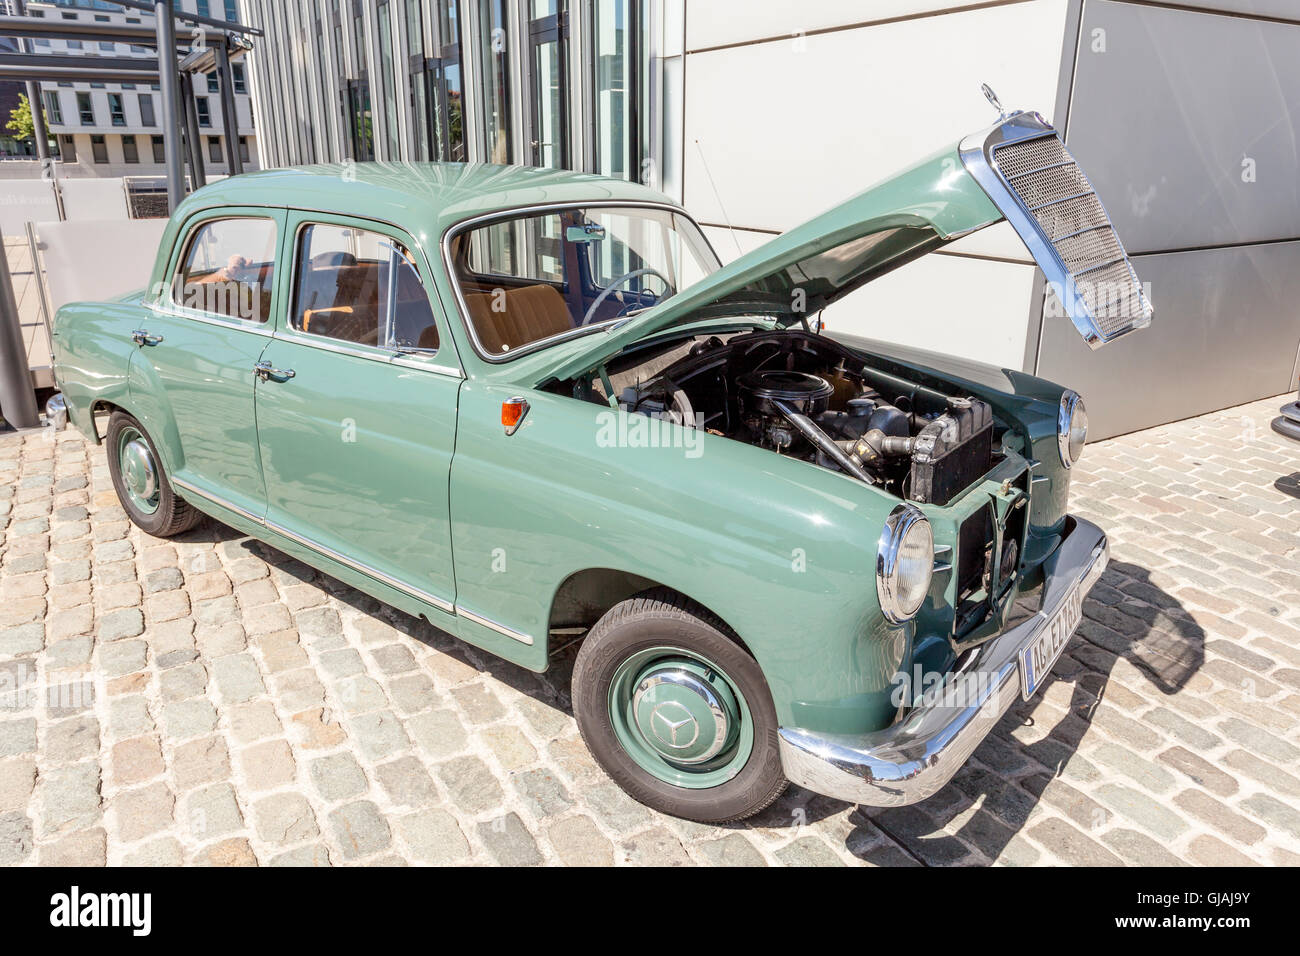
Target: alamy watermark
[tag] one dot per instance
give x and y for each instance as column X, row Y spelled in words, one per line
column 624, row 429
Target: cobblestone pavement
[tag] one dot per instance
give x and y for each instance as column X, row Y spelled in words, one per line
column 210, row 700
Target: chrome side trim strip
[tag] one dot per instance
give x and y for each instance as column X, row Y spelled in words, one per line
column 494, row 626
column 218, row 500
column 440, row 603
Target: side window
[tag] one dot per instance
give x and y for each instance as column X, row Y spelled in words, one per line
column 228, row 269
column 363, row 287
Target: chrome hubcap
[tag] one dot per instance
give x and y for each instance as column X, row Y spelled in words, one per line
column 682, row 714
column 138, row 469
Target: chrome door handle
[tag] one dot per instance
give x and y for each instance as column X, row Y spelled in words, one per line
column 266, row 371
column 141, row 337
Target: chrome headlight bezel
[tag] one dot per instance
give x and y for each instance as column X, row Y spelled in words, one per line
column 904, row 521
column 1071, row 407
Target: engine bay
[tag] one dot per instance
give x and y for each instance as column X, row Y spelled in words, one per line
column 801, row 395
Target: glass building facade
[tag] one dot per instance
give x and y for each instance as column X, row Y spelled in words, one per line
column 558, row 83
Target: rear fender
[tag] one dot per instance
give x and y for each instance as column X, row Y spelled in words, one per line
column 92, row 354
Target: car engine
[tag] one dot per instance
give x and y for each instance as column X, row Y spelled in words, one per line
column 804, row 396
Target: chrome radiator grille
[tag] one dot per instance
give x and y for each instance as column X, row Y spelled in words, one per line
column 1044, row 177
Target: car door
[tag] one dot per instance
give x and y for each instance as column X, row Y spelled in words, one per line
column 197, row 345
column 356, row 407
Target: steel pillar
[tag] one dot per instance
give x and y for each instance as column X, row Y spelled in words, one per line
column 169, row 81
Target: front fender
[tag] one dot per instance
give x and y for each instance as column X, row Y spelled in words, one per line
column 782, row 551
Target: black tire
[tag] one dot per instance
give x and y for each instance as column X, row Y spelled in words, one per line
column 662, row 617
column 173, row 514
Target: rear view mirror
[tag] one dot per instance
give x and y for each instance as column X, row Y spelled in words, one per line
column 588, row 232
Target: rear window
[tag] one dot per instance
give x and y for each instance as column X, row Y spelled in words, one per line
column 228, row 269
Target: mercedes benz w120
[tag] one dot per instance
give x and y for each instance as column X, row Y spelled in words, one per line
column 527, row 404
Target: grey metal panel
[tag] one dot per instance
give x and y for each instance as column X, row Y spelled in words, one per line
column 1282, row 9
column 1163, row 118
column 1226, row 331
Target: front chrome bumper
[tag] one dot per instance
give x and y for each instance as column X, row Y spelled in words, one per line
column 917, row 756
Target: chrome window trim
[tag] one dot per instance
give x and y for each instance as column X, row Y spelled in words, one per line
column 181, row 310
column 492, row 625
column 373, row 352
column 466, row 224
column 209, row 318
column 369, row 352
column 977, row 155
column 405, row 361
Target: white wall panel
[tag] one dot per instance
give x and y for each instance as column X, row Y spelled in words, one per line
column 951, row 304
column 716, row 22
column 970, row 307
column 26, row 200
column 97, row 260
column 731, row 244
column 788, row 130
column 94, row 199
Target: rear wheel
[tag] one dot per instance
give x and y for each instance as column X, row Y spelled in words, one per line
column 141, row 484
column 675, row 710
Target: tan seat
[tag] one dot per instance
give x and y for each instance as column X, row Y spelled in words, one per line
column 525, row 315
column 360, row 324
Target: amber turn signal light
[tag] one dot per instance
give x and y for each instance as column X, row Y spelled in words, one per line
column 513, row 411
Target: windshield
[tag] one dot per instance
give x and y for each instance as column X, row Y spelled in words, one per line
column 526, row 279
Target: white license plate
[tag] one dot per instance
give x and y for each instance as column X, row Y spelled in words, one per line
column 1037, row 657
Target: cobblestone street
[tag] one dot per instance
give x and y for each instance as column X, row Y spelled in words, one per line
column 211, row 701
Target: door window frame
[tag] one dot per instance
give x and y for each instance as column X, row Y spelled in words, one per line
column 163, row 301
column 445, row 361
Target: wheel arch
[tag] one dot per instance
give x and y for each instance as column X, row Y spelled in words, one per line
column 586, row 595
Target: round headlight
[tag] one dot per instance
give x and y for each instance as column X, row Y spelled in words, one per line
column 904, row 563
column 1071, row 428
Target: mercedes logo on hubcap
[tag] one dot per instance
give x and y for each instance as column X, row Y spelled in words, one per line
column 674, row 725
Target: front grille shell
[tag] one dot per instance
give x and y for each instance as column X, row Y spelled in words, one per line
column 1030, row 174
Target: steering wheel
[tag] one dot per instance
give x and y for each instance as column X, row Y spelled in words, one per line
column 618, row 282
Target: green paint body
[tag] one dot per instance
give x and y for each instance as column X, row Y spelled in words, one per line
column 432, row 505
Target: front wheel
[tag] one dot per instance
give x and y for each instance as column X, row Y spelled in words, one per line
column 676, row 712
column 140, row 482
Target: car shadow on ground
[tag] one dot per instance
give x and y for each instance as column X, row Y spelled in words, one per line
column 550, row 688
column 1030, row 756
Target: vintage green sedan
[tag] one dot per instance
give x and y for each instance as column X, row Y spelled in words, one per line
column 527, row 404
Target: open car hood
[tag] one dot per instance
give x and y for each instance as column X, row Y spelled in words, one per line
column 1018, row 169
